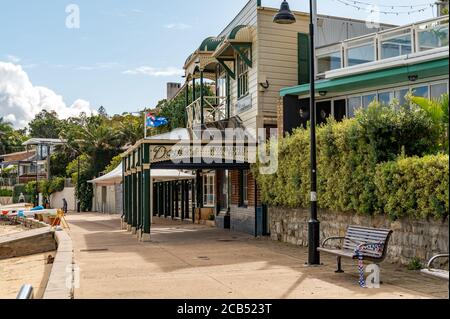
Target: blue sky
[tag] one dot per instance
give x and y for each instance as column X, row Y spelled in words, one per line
column 125, row 51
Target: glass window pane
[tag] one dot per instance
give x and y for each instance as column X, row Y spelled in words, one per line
column 354, row 103
column 331, row 61
column 400, row 95
column 395, row 46
column 433, row 35
column 437, row 90
column 361, row 54
column 420, row 91
column 367, row 99
column 386, row 98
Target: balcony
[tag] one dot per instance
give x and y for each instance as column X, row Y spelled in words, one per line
column 401, row 41
column 214, row 109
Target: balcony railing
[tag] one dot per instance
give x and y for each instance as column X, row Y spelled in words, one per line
column 214, row 109
column 413, row 38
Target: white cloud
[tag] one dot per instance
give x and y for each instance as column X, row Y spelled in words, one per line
column 137, row 11
column 20, row 100
column 12, row 58
column 178, row 26
column 155, row 72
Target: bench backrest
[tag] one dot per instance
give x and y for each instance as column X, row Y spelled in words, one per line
column 363, row 235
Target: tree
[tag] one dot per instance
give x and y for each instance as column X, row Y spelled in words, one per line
column 10, row 140
column 46, row 125
column 438, row 112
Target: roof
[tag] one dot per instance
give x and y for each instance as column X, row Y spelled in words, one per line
column 210, row 44
column 115, row 176
column 38, row 141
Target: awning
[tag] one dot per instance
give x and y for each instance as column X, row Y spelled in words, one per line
column 238, row 40
column 388, row 76
column 158, row 175
column 202, row 59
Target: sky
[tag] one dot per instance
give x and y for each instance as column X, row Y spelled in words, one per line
column 120, row 54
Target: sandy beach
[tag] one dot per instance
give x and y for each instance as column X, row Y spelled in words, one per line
column 31, row 270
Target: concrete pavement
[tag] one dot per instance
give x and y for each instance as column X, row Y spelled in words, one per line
column 192, row 261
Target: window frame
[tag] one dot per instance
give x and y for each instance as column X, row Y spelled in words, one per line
column 243, row 75
column 207, row 178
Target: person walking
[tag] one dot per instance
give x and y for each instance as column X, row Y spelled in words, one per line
column 64, row 206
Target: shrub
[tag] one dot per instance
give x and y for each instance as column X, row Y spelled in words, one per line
column 349, row 153
column 6, row 193
column 416, row 187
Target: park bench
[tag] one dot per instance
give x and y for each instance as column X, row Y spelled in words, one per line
column 439, row 273
column 359, row 242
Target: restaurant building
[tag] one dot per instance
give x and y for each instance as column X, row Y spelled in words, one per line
column 246, row 65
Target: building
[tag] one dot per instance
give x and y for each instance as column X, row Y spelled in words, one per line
column 247, row 64
column 31, row 164
column 381, row 66
column 172, row 90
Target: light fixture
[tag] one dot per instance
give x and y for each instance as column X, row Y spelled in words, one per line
column 413, row 78
column 323, row 93
column 284, row 15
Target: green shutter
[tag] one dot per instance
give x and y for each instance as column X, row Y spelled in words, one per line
column 303, row 58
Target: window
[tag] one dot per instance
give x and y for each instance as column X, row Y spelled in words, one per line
column 328, row 62
column 244, row 188
column 221, row 82
column 361, row 54
column 243, row 71
column 209, row 194
column 437, row 90
column 400, row 95
column 420, row 91
column 432, row 35
column 386, row 98
column 354, row 103
column 393, row 45
column 368, row 99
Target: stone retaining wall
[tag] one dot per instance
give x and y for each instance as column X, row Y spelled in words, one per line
column 411, row 238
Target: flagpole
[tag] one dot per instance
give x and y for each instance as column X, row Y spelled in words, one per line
column 145, row 124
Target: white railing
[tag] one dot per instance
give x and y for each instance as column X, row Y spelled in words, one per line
column 214, row 109
column 413, row 38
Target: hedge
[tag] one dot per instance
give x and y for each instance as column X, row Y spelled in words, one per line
column 6, row 193
column 349, row 155
column 416, row 187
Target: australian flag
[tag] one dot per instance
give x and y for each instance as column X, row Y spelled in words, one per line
column 155, row 121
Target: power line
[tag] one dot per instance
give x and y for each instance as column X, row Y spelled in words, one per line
column 372, row 8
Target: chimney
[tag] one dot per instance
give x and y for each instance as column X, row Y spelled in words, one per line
column 172, row 90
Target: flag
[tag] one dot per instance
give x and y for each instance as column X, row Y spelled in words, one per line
column 155, row 121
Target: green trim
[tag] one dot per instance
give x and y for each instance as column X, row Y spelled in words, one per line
column 230, row 72
column 210, row 44
column 303, row 58
column 239, row 48
column 234, row 32
column 146, row 203
column 374, row 78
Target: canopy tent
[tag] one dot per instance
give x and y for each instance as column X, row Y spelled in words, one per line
column 158, row 175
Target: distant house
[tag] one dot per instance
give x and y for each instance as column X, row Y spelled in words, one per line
column 31, row 164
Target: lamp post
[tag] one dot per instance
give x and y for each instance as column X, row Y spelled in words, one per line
column 285, row 16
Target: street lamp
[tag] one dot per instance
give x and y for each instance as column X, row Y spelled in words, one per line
column 285, row 16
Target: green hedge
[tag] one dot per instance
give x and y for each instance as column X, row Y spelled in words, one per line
column 349, row 153
column 6, row 193
column 416, row 187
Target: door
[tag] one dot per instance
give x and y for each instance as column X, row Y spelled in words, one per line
column 339, row 109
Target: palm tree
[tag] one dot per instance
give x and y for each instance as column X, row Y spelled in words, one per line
column 438, row 111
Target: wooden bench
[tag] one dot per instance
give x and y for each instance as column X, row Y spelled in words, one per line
column 360, row 238
column 438, row 273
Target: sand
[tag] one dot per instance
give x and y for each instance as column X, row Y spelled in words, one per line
column 31, row 270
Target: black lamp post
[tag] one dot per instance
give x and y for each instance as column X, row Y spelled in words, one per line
column 285, row 16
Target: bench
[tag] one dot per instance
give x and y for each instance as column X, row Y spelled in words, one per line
column 361, row 239
column 438, row 273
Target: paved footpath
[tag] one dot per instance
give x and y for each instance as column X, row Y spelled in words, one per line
column 191, row 261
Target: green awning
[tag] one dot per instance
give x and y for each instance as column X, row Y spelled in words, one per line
column 373, row 78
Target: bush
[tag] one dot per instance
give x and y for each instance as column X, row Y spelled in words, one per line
column 416, row 187
column 349, row 153
column 6, row 193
